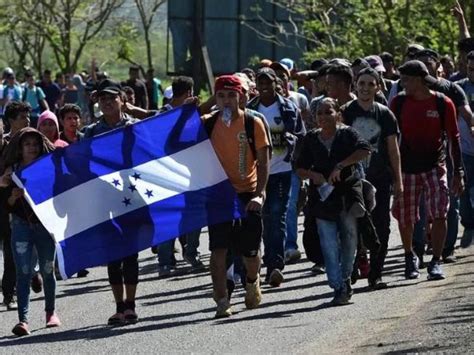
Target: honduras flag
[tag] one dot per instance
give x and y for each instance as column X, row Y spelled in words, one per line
column 108, row 197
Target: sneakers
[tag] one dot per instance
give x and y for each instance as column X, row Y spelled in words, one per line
column 37, row 283
column 292, row 256
column 435, row 271
column 117, row 319
column 165, row 271
column 21, row 329
column 411, row 267
column 10, row 303
column 253, row 294
column 276, row 278
column 341, row 298
column 195, row 261
column 318, row 269
column 223, row 309
column 466, row 238
column 52, row 320
column 449, row 259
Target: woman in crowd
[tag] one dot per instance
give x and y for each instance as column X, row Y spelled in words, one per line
column 49, row 126
column 27, row 231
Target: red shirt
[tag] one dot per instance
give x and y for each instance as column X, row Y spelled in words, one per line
column 422, row 145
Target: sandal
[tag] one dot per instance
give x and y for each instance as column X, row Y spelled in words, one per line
column 130, row 316
column 116, row 319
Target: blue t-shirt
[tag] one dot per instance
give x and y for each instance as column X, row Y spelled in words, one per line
column 33, row 96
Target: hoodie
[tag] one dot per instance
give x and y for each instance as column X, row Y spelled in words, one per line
column 48, row 115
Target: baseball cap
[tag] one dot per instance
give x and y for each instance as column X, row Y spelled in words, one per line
column 289, row 63
column 228, row 82
column 318, row 63
column 244, row 80
column 279, row 66
column 427, row 53
column 109, row 86
column 268, row 72
column 376, row 63
column 417, row 68
column 412, row 49
column 340, row 61
column 265, row 63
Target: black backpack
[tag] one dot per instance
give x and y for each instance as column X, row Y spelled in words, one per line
column 249, row 128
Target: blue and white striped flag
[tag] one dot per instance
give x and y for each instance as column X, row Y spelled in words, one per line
column 105, row 198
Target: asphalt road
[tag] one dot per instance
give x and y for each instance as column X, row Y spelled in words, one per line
column 176, row 315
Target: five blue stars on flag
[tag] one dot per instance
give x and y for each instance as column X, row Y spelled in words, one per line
column 132, row 187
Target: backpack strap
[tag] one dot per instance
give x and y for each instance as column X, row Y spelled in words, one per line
column 210, row 123
column 399, row 101
column 441, row 108
column 250, row 132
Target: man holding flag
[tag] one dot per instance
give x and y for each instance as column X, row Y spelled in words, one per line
column 123, row 273
column 245, row 161
column 133, row 185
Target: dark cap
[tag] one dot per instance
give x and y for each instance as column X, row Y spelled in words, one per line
column 427, row 53
column 279, row 66
column 387, row 57
column 318, row 63
column 376, row 63
column 360, row 62
column 109, row 86
column 412, row 49
column 417, row 68
column 268, row 72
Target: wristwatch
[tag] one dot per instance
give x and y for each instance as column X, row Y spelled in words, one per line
column 339, row 166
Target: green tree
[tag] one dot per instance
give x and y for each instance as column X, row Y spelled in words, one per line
column 147, row 10
column 352, row 28
column 71, row 24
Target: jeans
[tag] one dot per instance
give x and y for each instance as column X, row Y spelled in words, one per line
column 274, row 220
column 467, row 198
column 453, row 225
column 25, row 236
column 292, row 215
column 339, row 244
column 381, row 220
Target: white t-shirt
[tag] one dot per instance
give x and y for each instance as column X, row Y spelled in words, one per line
column 299, row 100
column 277, row 130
